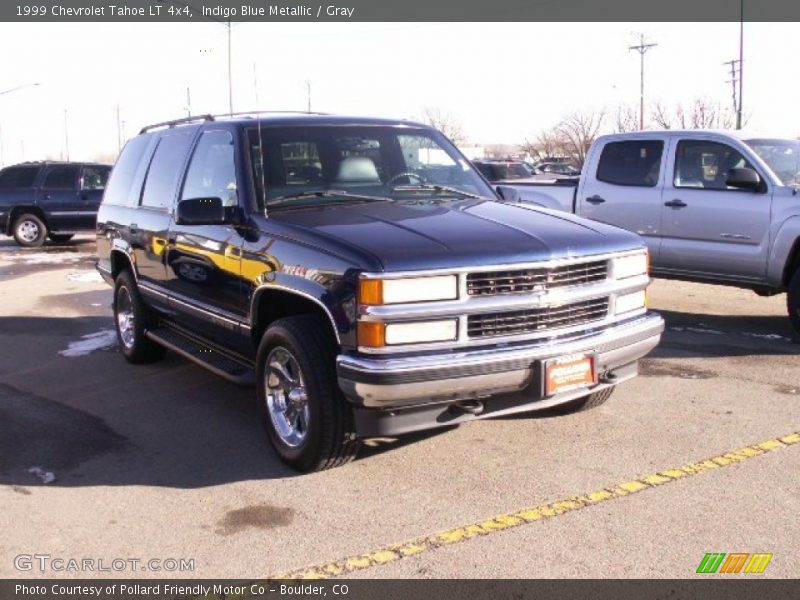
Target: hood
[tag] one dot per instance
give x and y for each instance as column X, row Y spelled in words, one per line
column 410, row 236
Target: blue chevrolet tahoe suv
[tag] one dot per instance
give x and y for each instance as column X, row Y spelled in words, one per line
column 55, row 200
column 363, row 277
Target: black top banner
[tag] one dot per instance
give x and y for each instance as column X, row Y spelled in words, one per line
column 400, row 10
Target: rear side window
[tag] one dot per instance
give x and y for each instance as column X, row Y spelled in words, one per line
column 165, row 170
column 61, row 178
column 94, row 178
column 122, row 176
column 17, row 177
column 635, row 163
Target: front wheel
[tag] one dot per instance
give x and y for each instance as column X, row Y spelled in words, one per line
column 29, row 231
column 585, row 402
column 308, row 420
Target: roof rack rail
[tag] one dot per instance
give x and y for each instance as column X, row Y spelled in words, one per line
column 174, row 122
column 245, row 113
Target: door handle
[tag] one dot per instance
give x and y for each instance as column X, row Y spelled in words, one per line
column 677, row 203
column 595, row 199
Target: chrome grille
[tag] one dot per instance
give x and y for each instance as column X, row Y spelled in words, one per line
column 519, row 281
column 536, row 319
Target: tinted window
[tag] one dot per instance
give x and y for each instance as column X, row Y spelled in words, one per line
column 212, row 171
column 705, row 165
column 18, row 177
column 94, row 178
column 631, row 163
column 61, row 178
column 165, row 170
column 124, row 172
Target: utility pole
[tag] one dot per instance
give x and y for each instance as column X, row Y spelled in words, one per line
column 734, row 66
column 188, row 101
column 741, row 63
column 642, row 48
column 119, row 132
column 308, row 93
column 66, row 135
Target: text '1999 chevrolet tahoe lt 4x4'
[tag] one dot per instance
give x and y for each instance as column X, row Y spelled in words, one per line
column 364, row 277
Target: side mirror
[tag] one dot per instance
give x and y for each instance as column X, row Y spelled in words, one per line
column 201, row 211
column 743, row 178
column 508, row 193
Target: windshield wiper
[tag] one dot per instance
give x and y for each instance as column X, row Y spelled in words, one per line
column 431, row 187
column 324, row 194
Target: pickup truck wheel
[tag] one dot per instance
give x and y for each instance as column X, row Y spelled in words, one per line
column 585, row 403
column 60, row 238
column 793, row 303
column 29, row 231
column 132, row 317
column 307, row 419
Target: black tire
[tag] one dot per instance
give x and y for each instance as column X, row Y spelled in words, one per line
column 135, row 346
column 327, row 438
column 60, row 238
column 29, row 231
column 793, row 303
column 586, row 402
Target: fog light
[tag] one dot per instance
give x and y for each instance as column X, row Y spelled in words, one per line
column 630, row 302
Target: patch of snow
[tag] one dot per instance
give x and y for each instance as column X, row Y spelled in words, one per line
column 766, row 336
column 46, row 258
column 45, row 476
column 105, row 338
column 85, row 277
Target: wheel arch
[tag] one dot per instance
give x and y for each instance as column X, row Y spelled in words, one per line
column 271, row 302
column 18, row 211
column 120, row 261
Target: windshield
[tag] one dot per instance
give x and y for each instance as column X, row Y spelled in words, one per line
column 326, row 164
column 782, row 156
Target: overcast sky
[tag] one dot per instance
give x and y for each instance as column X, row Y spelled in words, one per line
column 503, row 81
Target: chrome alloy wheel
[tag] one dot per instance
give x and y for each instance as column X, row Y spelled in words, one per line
column 28, row 230
column 286, row 398
column 125, row 318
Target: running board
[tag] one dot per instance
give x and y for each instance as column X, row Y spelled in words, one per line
column 216, row 361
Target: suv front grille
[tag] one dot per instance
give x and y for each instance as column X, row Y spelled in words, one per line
column 536, row 319
column 493, row 283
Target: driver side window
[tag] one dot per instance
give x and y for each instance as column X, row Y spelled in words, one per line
column 212, row 171
column 705, row 165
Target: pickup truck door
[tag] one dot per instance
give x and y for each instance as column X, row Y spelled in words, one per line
column 204, row 261
column 59, row 199
column 708, row 227
column 622, row 187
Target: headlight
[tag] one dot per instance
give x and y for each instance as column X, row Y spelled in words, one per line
column 411, row 289
column 630, row 302
column 376, row 335
column 630, row 266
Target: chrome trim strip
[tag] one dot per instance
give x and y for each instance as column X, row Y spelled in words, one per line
column 211, row 313
column 272, row 286
column 542, row 264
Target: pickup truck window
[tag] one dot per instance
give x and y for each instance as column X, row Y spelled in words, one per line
column 705, row 165
column 61, row 178
column 212, row 171
column 17, row 177
column 782, row 156
column 327, row 164
column 165, row 170
column 632, row 163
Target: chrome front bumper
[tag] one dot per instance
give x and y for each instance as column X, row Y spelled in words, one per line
column 394, row 383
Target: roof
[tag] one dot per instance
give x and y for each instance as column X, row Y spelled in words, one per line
column 286, row 118
column 740, row 134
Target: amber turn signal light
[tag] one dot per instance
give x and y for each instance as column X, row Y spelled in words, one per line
column 370, row 292
column 371, row 335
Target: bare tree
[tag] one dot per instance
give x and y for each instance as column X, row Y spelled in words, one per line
column 444, row 122
column 700, row 114
column 625, row 119
column 578, row 130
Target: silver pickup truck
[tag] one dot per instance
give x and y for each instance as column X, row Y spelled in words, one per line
column 711, row 206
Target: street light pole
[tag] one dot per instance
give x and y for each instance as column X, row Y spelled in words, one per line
column 642, row 48
column 741, row 63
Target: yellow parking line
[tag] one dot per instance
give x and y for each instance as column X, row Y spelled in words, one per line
column 395, row 552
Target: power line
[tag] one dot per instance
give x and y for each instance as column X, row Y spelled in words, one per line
column 642, row 49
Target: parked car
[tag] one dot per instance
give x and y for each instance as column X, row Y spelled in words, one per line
column 712, row 206
column 557, row 169
column 55, row 200
column 364, row 277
